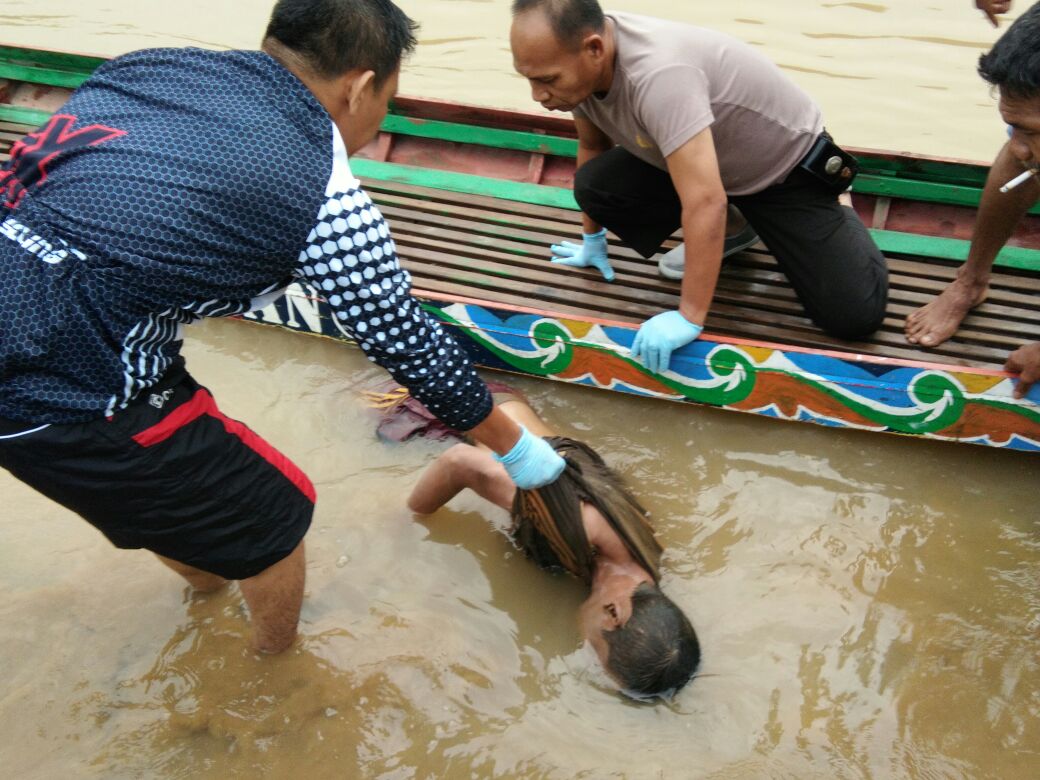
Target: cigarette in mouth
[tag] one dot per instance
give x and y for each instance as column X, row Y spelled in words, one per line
column 1021, row 179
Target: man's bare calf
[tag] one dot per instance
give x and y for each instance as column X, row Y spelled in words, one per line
column 274, row 597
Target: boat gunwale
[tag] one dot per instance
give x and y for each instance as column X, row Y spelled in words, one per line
column 857, row 357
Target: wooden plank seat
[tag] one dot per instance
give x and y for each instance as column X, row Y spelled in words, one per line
column 498, row 250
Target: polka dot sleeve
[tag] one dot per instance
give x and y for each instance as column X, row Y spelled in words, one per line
column 350, row 260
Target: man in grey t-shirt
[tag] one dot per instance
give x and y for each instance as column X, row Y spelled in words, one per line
column 676, row 124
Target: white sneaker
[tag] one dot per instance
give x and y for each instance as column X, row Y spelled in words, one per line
column 673, row 262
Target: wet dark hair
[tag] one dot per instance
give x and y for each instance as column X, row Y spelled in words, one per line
column 656, row 652
column 570, row 20
column 1013, row 64
column 334, row 37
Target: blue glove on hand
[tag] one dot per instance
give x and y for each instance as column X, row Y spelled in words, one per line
column 593, row 251
column 532, row 463
column 660, row 336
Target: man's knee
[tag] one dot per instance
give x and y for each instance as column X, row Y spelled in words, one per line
column 854, row 300
column 854, row 319
column 852, row 326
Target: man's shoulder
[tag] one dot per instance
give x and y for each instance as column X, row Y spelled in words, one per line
column 636, row 25
column 245, row 96
column 648, row 43
column 229, row 134
column 172, row 63
column 181, row 55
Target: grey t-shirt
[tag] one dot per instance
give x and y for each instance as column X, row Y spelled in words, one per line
column 672, row 80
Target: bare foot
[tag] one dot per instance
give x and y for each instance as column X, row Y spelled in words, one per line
column 937, row 321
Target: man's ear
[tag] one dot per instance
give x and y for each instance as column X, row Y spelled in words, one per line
column 362, row 82
column 593, row 46
column 613, row 612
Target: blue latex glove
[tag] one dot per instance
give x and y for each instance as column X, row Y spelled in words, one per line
column 532, row 463
column 591, row 252
column 660, row 336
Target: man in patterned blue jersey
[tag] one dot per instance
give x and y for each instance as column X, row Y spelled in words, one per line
column 181, row 183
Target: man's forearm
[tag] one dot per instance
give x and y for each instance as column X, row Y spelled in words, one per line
column 704, row 231
column 586, row 153
column 999, row 213
column 528, row 460
column 498, row 432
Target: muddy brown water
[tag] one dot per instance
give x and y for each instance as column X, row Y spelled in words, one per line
column 869, row 606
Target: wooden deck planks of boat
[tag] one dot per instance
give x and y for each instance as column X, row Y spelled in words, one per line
column 497, row 250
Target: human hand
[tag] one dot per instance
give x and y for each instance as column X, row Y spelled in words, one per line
column 993, row 8
column 591, row 252
column 660, row 336
column 532, row 463
column 1024, row 361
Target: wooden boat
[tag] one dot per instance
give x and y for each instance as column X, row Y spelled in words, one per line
column 475, row 196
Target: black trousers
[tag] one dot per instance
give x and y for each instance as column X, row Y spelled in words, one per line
column 823, row 248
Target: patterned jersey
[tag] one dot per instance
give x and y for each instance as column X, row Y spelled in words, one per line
column 181, row 183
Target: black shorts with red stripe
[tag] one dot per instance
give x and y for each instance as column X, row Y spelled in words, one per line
column 170, row 474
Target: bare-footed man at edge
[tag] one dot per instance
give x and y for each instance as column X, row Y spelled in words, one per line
column 1010, row 66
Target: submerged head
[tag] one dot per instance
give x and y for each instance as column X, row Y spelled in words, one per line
column 644, row 641
column 352, row 49
column 560, row 47
column 1013, row 67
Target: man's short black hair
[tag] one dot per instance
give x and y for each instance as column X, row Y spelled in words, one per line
column 1013, row 64
column 571, row 20
column 334, row 37
column 656, row 652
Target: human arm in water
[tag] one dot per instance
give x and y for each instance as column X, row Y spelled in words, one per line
column 460, row 467
column 465, row 466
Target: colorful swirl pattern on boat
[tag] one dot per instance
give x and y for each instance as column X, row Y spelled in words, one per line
column 955, row 404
